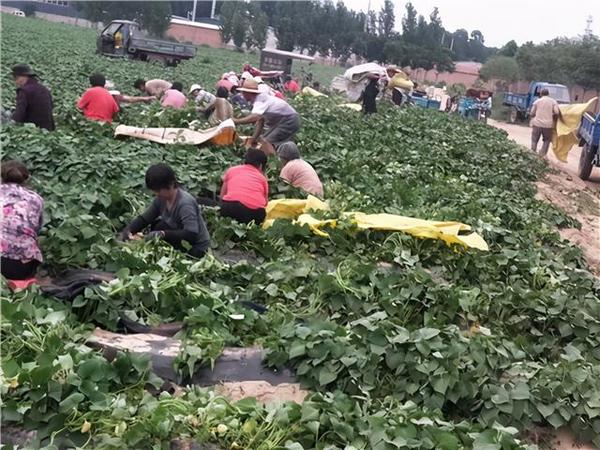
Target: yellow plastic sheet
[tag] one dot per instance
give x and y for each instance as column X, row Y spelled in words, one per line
column 400, row 80
column 297, row 210
column 310, row 91
column 564, row 135
column 290, row 208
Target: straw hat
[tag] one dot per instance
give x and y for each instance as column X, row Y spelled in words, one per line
column 195, row 87
column 250, row 85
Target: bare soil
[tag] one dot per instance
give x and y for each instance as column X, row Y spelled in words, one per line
column 563, row 188
column 263, row 391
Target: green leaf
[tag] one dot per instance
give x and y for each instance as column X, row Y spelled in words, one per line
column 545, row 410
column 71, row 402
column 326, row 376
column 501, row 396
column 520, row 392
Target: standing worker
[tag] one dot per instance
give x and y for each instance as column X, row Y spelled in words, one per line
column 369, row 95
column 34, row 100
column 543, row 112
column 282, row 121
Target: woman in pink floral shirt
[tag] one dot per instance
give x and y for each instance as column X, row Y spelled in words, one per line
column 20, row 223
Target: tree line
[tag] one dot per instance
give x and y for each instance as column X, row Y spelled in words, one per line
column 334, row 30
column 563, row 60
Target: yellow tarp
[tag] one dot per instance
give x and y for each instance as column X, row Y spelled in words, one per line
column 310, row 91
column 400, row 80
column 289, row 208
column 564, row 135
column 448, row 232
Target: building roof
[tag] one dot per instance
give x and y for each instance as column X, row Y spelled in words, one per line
column 189, row 23
column 290, row 54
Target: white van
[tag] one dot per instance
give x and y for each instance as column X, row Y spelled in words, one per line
column 18, row 13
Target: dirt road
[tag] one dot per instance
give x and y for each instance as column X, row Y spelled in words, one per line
column 580, row 199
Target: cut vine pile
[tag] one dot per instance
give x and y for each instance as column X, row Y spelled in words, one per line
column 403, row 342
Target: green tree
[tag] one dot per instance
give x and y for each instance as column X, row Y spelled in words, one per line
column 509, row 49
column 566, row 61
column 228, row 11
column 239, row 28
column 154, row 17
column 500, row 67
column 387, row 19
column 409, row 23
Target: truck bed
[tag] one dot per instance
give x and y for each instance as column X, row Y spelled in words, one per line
column 163, row 47
column 518, row 100
column 589, row 130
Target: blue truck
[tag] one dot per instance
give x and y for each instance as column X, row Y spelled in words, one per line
column 520, row 104
column 589, row 139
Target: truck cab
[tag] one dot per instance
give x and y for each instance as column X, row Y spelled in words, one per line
column 520, row 104
column 114, row 39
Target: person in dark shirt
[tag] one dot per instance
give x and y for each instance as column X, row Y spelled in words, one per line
column 173, row 215
column 34, row 100
column 369, row 95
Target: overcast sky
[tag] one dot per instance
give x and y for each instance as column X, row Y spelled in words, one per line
column 503, row 20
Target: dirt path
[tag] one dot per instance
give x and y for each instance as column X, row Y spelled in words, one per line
column 580, row 199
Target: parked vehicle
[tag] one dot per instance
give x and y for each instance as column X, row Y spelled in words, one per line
column 475, row 104
column 520, row 104
column 425, row 102
column 18, row 13
column 589, row 140
column 123, row 38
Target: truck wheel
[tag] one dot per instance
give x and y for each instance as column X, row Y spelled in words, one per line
column 157, row 59
column 585, row 161
column 514, row 115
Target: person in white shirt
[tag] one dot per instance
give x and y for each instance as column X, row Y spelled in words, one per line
column 543, row 112
column 280, row 121
column 200, row 96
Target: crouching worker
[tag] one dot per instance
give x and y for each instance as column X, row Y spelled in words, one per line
column 245, row 191
column 21, row 222
column 173, row 215
column 298, row 172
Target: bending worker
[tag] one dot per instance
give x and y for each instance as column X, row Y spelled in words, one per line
column 173, row 215
column 280, row 119
column 298, row 172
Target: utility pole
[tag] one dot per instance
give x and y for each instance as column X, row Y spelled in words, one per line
column 194, row 11
column 212, row 9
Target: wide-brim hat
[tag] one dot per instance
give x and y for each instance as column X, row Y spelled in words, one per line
column 195, row 87
column 23, row 70
column 250, row 85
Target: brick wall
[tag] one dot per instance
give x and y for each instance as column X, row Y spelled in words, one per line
column 195, row 34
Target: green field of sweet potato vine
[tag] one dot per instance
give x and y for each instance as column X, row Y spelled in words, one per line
column 403, row 342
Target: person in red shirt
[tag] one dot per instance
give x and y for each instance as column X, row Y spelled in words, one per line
column 291, row 86
column 97, row 103
column 245, row 190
